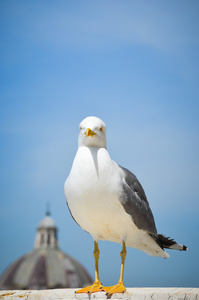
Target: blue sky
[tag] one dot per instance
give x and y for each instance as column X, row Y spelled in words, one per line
column 134, row 64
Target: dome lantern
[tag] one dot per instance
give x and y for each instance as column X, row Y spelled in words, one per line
column 46, row 235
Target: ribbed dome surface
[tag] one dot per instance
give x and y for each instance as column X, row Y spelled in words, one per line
column 44, row 269
column 46, row 266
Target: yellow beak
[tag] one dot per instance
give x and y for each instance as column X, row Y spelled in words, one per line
column 89, row 132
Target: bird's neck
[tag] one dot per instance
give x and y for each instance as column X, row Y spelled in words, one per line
column 90, row 158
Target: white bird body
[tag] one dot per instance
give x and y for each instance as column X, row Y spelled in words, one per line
column 92, row 191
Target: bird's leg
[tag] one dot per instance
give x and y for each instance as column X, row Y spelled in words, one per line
column 96, row 286
column 119, row 287
column 123, row 258
column 96, row 253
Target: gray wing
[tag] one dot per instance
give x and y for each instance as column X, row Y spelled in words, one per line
column 135, row 203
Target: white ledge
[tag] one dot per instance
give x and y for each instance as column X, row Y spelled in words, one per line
column 131, row 293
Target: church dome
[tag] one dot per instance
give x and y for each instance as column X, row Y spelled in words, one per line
column 46, row 266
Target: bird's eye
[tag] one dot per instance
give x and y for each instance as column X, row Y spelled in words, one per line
column 101, row 129
column 80, row 128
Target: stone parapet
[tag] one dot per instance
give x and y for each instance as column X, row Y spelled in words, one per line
column 131, row 294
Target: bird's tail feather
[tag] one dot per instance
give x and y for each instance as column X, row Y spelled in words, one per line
column 166, row 242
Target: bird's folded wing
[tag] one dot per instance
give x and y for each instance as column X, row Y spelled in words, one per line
column 135, row 203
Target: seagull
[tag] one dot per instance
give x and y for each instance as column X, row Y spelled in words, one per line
column 108, row 202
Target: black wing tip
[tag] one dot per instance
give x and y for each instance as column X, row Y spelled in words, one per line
column 179, row 247
column 184, row 248
column 169, row 243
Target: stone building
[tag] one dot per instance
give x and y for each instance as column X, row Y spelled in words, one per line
column 45, row 267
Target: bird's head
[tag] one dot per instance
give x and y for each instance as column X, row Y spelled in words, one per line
column 92, row 133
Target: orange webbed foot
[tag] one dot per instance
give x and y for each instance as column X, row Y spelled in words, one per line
column 118, row 288
column 94, row 288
